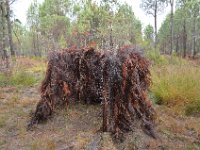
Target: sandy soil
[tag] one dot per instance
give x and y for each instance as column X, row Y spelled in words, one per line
column 78, row 127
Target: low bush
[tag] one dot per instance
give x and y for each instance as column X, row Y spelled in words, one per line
column 17, row 78
column 156, row 58
column 177, row 85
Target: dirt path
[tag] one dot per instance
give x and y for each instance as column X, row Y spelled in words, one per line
column 78, row 127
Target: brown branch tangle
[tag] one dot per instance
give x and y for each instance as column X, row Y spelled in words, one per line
column 119, row 81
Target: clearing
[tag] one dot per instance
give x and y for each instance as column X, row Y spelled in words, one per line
column 78, row 127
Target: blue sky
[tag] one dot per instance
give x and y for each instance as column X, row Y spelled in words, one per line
column 20, row 8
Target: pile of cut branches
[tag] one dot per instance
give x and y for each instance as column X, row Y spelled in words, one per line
column 118, row 80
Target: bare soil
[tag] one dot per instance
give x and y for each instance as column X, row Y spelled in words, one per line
column 78, row 127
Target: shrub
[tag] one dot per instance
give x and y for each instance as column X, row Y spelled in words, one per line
column 17, row 78
column 156, row 58
column 177, row 85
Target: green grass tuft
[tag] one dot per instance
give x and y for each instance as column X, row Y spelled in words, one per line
column 160, row 60
column 177, row 85
column 156, row 58
column 17, row 78
column 193, row 108
column 2, row 121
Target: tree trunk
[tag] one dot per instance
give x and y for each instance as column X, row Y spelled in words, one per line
column 111, row 37
column 3, row 51
column 184, row 38
column 3, row 29
column 194, row 38
column 34, row 44
column 155, row 24
column 172, row 25
column 38, row 47
column 9, row 28
column 177, row 45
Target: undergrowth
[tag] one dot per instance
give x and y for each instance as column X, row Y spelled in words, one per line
column 157, row 59
column 26, row 72
column 177, row 85
column 19, row 78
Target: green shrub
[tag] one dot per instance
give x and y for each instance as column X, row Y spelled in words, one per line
column 177, row 85
column 2, row 121
column 193, row 108
column 23, row 78
column 156, row 57
column 17, row 78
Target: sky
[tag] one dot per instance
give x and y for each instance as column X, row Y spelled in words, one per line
column 20, row 8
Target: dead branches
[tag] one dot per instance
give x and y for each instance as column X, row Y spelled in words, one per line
column 119, row 81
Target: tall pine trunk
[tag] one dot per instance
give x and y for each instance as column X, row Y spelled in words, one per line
column 3, row 21
column 9, row 28
column 111, row 36
column 184, row 38
column 177, row 44
column 155, row 23
column 172, row 25
column 194, row 38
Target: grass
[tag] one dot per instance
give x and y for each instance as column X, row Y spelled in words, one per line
column 177, row 85
column 26, row 72
column 2, row 121
column 18, row 78
column 156, row 58
column 160, row 60
column 174, row 85
column 2, row 143
column 46, row 144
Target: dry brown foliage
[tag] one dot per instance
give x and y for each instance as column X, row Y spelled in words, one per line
column 118, row 80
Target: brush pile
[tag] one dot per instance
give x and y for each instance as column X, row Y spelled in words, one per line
column 117, row 80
